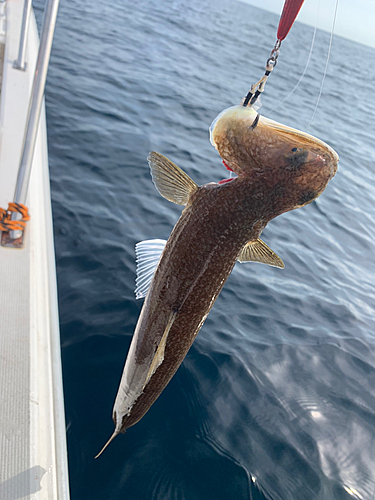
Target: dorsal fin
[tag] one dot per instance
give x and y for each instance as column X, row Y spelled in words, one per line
column 148, row 255
column 170, row 180
column 258, row 251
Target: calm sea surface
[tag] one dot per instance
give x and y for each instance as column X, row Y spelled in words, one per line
column 276, row 398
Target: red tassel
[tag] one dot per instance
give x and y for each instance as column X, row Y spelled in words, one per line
column 288, row 16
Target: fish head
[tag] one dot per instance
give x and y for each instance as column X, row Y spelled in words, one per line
column 257, row 147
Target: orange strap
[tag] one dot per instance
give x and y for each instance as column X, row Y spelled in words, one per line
column 6, row 224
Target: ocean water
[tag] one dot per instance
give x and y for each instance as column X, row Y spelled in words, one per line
column 276, row 398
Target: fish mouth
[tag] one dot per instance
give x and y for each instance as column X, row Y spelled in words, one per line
column 253, row 144
column 251, row 119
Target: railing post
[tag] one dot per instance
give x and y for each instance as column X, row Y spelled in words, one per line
column 35, row 105
column 20, row 62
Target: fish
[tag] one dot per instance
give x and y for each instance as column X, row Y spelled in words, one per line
column 277, row 169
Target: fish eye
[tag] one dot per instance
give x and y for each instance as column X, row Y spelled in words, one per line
column 296, row 157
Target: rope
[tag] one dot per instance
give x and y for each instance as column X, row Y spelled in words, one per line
column 6, row 224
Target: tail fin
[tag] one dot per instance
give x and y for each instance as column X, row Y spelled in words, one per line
column 115, row 433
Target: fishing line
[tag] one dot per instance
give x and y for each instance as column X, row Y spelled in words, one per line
column 326, row 67
column 307, row 64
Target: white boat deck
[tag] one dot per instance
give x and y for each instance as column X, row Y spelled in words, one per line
column 33, row 461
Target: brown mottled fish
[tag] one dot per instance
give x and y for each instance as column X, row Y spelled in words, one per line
column 278, row 169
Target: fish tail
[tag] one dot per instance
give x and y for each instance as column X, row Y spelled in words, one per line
column 115, row 433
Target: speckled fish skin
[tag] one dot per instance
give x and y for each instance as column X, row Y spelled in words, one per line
column 279, row 169
column 197, row 260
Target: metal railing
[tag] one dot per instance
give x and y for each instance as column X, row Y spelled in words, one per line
column 36, row 96
column 20, row 62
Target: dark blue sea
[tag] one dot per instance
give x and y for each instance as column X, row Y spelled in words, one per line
column 276, row 398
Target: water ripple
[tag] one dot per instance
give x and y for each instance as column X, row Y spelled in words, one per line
column 276, row 398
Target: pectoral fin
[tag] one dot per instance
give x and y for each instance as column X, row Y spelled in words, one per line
column 159, row 355
column 258, row 251
column 170, row 180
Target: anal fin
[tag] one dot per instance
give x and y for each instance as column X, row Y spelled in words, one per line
column 258, row 251
column 148, row 255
